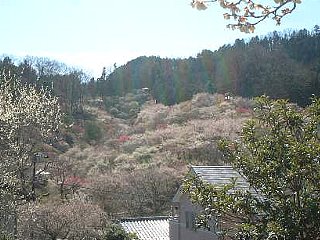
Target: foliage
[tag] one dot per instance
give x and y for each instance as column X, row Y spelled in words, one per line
column 279, row 156
column 128, row 106
column 59, row 79
column 5, row 236
column 93, row 131
column 280, row 65
column 116, row 232
column 247, row 14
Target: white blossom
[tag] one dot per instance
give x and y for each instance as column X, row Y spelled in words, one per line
column 28, row 116
column 199, row 4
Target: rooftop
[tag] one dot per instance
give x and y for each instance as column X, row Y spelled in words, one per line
column 221, row 175
column 147, row 228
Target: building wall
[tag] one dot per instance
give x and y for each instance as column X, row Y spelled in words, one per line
column 183, row 227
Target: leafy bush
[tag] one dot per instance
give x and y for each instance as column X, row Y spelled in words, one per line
column 116, row 232
column 93, row 131
column 4, row 236
column 126, row 107
column 114, row 111
column 142, row 158
column 68, row 119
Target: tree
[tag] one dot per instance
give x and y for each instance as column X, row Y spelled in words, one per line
column 28, row 118
column 72, row 220
column 140, row 193
column 279, row 156
column 248, row 13
column 69, row 89
column 61, row 171
column 151, row 191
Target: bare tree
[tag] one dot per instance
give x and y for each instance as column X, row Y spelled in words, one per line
column 73, row 220
column 143, row 192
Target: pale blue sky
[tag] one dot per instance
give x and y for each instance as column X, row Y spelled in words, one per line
column 91, row 34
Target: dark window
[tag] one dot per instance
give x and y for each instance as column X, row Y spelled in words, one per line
column 190, row 220
column 214, row 225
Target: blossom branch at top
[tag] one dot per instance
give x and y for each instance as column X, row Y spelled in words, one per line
column 200, row 5
column 248, row 13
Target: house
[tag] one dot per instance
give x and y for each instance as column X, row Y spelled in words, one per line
column 147, row 228
column 182, row 222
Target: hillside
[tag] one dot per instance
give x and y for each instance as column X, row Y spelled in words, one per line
column 156, row 148
column 128, row 137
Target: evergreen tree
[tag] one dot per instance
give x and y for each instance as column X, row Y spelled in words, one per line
column 279, row 157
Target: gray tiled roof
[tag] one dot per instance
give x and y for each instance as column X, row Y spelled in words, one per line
column 149, row 228
column 220, row 175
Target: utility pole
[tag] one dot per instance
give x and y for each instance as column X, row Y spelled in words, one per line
column 35, row 159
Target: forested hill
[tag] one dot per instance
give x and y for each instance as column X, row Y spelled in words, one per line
column 281, row 65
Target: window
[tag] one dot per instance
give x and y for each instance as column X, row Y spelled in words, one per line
column 175, row 213
column 214, row 225
column 190, row 220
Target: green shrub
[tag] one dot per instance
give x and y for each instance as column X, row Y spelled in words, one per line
column 93, row 131
column 114, row 111
column 143, row 158
column 116, row 232
column 68, row 119
column 4, row 236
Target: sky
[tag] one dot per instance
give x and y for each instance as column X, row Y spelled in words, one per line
column 92, row 34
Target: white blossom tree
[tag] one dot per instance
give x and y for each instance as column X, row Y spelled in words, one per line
column 248, row 13
column 28, row 118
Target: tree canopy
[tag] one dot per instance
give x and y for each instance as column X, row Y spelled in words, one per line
column 248, row 13
column 278, row 155
column 29, row 117
column 280, row 65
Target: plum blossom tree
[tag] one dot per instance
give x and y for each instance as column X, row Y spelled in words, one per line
column 248, row 13
column 28, row 118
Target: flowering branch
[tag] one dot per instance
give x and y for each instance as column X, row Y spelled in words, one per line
column 248, row 13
